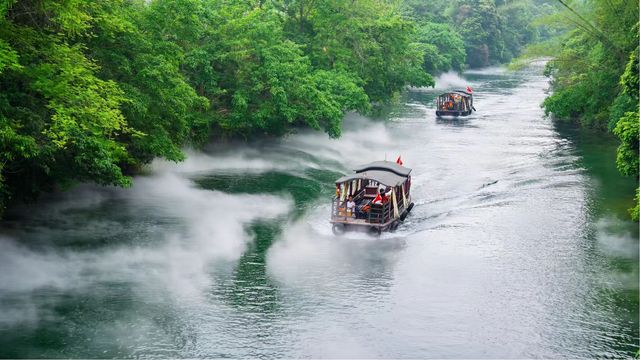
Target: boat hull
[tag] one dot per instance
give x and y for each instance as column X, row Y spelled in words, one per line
column 454, row 113
column 344, row 224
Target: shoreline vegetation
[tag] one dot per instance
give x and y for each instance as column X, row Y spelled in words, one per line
column 93, row 91
column 594, row 73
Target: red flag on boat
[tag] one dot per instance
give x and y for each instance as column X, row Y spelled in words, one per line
column 378, row 199
column 469, row 89
column 399, row 161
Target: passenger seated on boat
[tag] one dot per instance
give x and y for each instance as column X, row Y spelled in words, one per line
column 380, row 198
column 351, row 206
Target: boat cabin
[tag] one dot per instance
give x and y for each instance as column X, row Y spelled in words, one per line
column 376, row 197
column 455, row 103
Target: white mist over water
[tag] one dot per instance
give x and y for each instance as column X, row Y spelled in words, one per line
column 243, row 160
column 362, row 140
column 209, row 227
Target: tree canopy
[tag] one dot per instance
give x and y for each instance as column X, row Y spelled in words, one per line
column 93, row 90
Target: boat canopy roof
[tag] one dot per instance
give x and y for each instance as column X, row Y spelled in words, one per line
column 388, row 166
column 459, row 92
column 383, row 177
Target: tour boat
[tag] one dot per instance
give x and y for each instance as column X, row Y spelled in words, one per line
column 455, row 103
column 380, row 195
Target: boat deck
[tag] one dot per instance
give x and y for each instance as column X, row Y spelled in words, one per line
column 358, row 222
column 348, row 220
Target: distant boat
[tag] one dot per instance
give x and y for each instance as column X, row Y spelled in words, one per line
column 455, row 103
column 380, row 195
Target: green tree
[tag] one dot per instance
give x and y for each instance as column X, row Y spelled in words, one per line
column 443, row 47
column 367, row 38
column 93, row 90
column 628, row 128
column 139, row 47
column 518, row 28
column 59, row 121
column 480, row 25
column 271, row 85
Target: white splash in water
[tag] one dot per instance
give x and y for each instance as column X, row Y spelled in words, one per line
column 451, row 80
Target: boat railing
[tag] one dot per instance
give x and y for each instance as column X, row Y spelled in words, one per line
column 377, row 214
column 380, row 213
column 400, row 207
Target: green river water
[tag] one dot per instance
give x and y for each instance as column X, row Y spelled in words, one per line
column 518, row 246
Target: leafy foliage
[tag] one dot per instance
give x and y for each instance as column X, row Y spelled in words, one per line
column 585, row 81
column 93, row 90
column 368, row 39
column 443, row 48
column 480, row 25
column 58, row 119
column 487, row 31
column 628, row 127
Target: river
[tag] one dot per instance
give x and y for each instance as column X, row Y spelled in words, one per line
column 518, row 246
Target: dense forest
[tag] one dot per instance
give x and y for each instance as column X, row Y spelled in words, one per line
column 594, row 72
column 90, row 91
